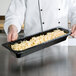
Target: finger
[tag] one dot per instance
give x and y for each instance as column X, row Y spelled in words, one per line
column 9, row 37
column 73, row 35
column 14, row 37
column 73, row 29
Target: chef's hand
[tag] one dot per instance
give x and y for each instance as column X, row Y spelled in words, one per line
column 12, row 33
column 73, row 31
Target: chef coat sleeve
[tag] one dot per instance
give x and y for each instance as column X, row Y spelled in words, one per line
column 73, row 12
column 15, row 14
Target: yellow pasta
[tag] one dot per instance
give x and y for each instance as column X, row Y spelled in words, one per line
column 37, row 40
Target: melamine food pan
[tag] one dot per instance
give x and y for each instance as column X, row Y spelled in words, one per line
column 36, row 48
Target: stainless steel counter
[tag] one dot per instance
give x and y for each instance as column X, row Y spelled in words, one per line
column 36, row 64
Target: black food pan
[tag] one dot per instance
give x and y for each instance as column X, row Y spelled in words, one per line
column 33, row 49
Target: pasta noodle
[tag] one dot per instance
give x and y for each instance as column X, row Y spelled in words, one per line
column 37, row 40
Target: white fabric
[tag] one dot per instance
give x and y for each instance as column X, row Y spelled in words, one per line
column 28, row 11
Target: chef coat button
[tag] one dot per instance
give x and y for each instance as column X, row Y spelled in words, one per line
column 41, row 10
column 59, row 9
column 43, row 23
column 58, row 22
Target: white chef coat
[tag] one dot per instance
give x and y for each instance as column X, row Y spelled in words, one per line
column 40, row 15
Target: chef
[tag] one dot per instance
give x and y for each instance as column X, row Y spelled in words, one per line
column 38, row 16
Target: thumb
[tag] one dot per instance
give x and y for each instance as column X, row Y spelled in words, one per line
column 14, row 36
column 9, row 37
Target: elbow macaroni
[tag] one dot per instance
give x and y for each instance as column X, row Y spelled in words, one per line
column 37, row 40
